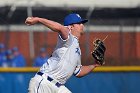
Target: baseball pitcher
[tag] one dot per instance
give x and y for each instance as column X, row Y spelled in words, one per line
column 66, row 57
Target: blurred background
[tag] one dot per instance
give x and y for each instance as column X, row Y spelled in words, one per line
column 28, row 46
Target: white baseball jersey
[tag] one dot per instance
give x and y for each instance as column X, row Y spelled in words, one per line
column 65, row 60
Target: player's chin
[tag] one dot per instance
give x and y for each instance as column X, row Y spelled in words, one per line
column 82, row 33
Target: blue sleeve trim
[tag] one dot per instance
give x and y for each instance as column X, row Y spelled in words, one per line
column 75, row 74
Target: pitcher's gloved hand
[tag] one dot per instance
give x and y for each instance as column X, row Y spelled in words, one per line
column 99, row 51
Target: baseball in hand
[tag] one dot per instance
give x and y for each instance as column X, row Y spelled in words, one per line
column 28, row 20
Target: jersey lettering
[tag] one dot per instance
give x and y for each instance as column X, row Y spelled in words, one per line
column 78, row 51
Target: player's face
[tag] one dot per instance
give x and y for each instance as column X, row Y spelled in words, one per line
column 79, row 27
column 43, row 54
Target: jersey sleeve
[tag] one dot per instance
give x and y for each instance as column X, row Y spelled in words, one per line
column 77, row 70
column 67, row 42
column 78, row 67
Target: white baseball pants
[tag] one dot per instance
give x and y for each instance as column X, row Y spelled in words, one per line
column 40, row 84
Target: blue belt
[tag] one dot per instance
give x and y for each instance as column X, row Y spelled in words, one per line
column 49, row 79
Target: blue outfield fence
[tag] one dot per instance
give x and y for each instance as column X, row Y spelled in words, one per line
column 14, row 82
column 101, row 80
column 106, row 82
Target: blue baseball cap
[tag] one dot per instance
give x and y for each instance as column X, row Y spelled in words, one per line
column 2, row 45
column 73, row 19
column 9, row 52
column 15, row 49
column 42, row 50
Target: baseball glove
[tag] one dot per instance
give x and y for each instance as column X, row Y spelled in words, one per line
column 99, row 51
